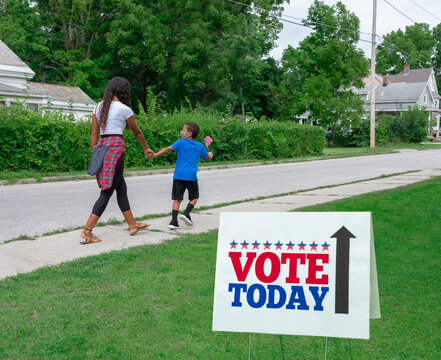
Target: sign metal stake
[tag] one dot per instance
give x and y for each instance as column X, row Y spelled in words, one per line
column 249, row 347
column 326, row 348
column 350, row 350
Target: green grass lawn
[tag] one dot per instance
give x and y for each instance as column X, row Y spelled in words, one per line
column 155, row 302
column 13, row 176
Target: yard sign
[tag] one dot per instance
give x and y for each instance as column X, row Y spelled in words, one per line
column 296, row 274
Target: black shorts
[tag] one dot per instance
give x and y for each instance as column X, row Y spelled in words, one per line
column 179, row 187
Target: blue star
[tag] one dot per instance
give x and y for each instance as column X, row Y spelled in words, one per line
column 313, row 246
column 278, row 245
column 233, row 244
column 301, row 246
column 267, row 245
column 326, row 246
column 244, row 244
column 290, row 245
column 255, row 245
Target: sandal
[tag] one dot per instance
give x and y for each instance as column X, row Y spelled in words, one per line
column 89, row 237
column 137, row 227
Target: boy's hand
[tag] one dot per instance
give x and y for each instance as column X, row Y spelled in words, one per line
column 211, row 154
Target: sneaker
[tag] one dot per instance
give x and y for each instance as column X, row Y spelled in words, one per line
column 173, row 226
column 186, row 219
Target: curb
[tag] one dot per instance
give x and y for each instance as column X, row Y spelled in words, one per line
column 147, row 172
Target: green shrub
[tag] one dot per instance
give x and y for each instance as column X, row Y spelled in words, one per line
column 410, row 126
column 361, row 134
column 52, row 142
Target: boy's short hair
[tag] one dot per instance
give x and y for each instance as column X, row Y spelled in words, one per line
column 193, row 128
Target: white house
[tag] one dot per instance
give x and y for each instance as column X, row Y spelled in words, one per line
column 395, row 93
column 15, row 86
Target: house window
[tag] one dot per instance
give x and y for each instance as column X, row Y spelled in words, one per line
column 425, row 99
column 33, row 107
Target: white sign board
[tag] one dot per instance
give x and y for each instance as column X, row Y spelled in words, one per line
column 296, row 274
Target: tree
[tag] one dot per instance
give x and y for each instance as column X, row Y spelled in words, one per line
column 437, row 56
column 206, row 51
column 415, row 46
column 203, row 51
column 75, row 36
column 319, row 74
column 20, row 29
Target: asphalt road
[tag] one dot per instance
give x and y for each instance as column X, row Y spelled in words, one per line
column 34, row 209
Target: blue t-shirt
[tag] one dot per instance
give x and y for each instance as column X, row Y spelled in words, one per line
column 189, row 153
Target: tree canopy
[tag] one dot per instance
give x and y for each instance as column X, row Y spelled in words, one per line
column 418, row 46
column 206, row 51
column 319, row 74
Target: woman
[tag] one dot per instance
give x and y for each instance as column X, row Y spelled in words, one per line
column 109, row 118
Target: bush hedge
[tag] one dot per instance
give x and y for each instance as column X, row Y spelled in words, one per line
column 411, row 126
column 53, row 142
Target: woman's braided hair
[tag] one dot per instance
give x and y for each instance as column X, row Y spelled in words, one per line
column 118, row 87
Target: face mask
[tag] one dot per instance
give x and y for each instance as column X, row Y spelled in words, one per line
column 183, row 134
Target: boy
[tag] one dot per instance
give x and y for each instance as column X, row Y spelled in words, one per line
column 185, row 176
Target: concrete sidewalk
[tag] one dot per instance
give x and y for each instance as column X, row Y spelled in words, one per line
column 27, row 255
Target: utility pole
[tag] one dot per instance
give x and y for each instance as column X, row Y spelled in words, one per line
column 373, row 49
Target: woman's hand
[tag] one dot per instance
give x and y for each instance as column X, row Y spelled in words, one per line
column 149, row 153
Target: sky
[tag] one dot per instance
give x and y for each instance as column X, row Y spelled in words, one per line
column 388, row 19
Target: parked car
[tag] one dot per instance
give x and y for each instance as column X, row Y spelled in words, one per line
column 338, row 132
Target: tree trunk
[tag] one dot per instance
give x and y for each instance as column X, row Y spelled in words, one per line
column 333, row 133
column 243, row 105
column 142, row 75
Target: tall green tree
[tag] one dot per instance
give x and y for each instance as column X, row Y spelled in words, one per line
column 193, row 51
column 75, row 35
column 319, row 74
column 437, row 56
column 20, row 29
column 197, row 51
column 414, row 46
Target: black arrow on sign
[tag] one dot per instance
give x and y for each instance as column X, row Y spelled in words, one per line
column 342, row 270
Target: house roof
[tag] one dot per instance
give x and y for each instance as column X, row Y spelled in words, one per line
column 61, row 93
column 410, row 92
column 413, row 76
column 21, row 92
column 7, row 57
column 10, row 89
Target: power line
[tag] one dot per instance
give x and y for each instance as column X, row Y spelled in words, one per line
column 310, row 27
column 320, row 23
column 427, row 11
column 292, row 22
column 387, row 2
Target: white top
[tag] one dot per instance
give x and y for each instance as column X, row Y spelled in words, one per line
column 116, row 121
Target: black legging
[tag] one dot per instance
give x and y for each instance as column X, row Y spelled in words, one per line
column 119, row 184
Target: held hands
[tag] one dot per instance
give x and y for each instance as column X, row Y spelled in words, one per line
column 149, row 153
